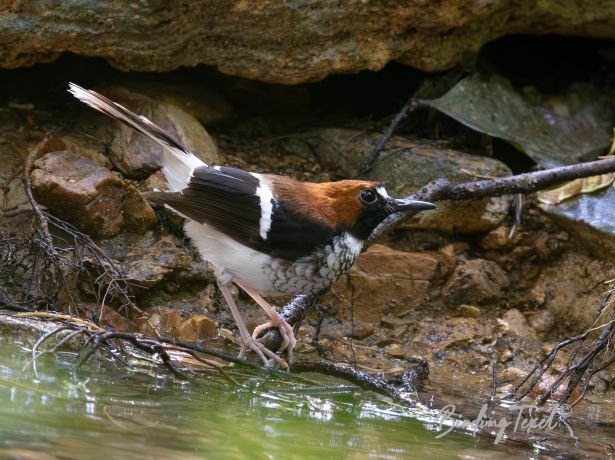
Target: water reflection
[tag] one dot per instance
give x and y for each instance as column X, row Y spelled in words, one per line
column 132, row 415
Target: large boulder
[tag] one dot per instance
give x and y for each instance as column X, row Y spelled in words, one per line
column 283, row 42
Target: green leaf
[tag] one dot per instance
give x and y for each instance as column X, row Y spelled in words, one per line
column 552, row 130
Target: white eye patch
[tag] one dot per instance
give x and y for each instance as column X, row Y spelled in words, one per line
column 382, row 192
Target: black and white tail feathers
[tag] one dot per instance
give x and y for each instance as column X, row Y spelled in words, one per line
column 177, row 164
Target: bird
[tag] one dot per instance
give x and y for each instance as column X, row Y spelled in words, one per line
column 270, row 235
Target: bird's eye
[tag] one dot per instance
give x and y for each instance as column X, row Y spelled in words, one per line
column 368, row 196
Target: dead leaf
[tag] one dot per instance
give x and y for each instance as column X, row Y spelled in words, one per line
column 576, row 187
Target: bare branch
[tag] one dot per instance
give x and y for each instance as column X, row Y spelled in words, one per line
column 530, row 182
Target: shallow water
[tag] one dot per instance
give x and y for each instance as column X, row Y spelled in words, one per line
column 111, row 412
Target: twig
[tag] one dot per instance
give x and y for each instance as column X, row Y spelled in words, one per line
column 408, row 107
column 207, row 351
column 27, row 169
column 60, row 317
column 577, row 369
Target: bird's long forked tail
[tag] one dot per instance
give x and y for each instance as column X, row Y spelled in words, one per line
column 177, row 162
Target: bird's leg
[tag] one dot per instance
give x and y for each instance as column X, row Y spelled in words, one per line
column 275, row 320
column 247, row 341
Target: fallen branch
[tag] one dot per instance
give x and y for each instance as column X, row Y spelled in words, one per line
column 525, row 183
column 403, row 390
column 95, row 339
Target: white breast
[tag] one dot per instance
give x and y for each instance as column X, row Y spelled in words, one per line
column 273, row 276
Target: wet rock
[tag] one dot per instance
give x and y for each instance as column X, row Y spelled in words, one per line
column 541, row 321
column 197, row 327
column 280, row 42
column 410, row 168
column 476, row 281
column 89, row 196
column 468, row 311
column 383, row 279
column 31, row 329
column 137, row 156
column 589, row 219
column 162, row 321
column 437, row 335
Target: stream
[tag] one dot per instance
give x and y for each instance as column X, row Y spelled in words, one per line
column 112, row 412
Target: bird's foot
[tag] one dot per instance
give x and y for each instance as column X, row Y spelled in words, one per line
column 250, row 343
column 286, row 332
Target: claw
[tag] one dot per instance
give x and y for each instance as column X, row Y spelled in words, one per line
column 275, row 320
column 262, row 351
column 286, row 332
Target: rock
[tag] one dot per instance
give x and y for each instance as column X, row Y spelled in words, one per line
column 392, row 322
column 572, row 288
column 476, row 281
column 498, row 238
column 437, row 335
column 148, row 259
column 195, row 99
column 541, row 321
column 283, row 42
column 89, row 196
column 77, row 146
column 385, row 342
column 162, row 321
column 358, row 330
column 589, row 219
column 506, row 356
column 156, row 181
column 197, row 327
column 412, row 167
column 448, row 260
column 513, row 323
column 136, row 155
column 468, row 311
column 381, row 279
column 395, row 351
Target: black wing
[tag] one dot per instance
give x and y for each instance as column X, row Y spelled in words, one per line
column 226, row 199
column 292, row 235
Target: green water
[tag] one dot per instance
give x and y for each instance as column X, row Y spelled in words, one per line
column 111, row 412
